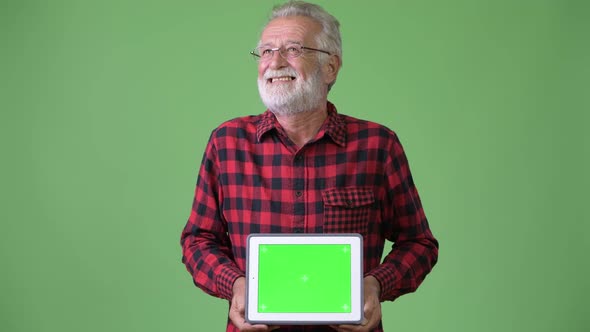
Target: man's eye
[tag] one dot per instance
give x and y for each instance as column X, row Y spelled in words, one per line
column 267, row 51
column 293, row 49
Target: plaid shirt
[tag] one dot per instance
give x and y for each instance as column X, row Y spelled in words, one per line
column 353, row 177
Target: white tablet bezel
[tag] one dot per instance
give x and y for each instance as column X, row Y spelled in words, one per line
column 253, row 316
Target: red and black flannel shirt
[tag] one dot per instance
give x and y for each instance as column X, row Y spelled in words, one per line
column 352, row 178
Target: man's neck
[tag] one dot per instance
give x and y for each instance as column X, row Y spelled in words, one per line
column 303, row 127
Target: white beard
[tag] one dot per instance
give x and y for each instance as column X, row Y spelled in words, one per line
column 288, row 99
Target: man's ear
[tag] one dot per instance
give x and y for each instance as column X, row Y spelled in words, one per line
column 331, row 68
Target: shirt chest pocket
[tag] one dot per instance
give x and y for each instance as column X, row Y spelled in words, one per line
column 348, row 210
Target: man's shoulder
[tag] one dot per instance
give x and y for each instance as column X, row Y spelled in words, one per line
column 358, row 126
column 239, row 127
column 241, row 121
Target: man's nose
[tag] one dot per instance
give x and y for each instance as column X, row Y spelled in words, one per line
column 277, row 61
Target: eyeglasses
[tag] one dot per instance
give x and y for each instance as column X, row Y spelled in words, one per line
column 288, row 52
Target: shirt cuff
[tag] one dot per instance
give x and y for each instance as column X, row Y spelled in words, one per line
column 394, row 280
column 226, row 277
column 385, row 277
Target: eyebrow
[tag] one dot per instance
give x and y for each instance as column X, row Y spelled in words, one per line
column 287, row 42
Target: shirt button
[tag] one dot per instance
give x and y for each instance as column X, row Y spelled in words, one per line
column 298, row 193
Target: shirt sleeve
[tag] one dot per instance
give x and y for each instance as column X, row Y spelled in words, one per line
column 415, row 250
column 206, row 247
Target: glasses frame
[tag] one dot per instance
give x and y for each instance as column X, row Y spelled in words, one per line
column 281, row 50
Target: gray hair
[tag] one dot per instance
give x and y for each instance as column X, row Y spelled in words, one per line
column 329, row 38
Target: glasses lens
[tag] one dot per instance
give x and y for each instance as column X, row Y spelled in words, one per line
column 265, row 53
column 292, row 51
column 288, row 52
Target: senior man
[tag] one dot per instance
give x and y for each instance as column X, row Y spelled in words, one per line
column 301, row 167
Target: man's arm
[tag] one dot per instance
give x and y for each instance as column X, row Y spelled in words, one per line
column 415, row 250
column 206, row 246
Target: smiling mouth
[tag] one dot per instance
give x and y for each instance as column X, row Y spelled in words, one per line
column 281, row 79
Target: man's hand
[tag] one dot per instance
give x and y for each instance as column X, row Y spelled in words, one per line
column 238, row 307
column 372, row 308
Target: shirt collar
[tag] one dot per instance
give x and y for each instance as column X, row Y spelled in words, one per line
column 334, row 126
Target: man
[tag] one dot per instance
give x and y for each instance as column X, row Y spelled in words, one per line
column 301, row 167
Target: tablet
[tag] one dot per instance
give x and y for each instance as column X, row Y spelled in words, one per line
column 304, row 279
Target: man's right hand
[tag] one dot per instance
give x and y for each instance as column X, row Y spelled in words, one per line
column 238, row 307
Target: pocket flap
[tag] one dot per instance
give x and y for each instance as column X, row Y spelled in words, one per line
column 350, row 197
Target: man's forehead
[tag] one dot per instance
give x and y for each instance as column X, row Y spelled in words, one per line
column 298, row 29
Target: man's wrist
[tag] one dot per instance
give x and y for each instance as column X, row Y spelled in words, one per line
column 239, row 284
column 371, row 284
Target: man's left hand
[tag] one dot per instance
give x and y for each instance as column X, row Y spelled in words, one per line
column 372, row 308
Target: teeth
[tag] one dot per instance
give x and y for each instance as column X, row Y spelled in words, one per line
column 281, row 79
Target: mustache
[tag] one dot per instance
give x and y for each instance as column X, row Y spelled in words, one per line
column 270, row 73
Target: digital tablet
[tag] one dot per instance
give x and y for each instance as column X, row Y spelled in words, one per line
column 304, row 279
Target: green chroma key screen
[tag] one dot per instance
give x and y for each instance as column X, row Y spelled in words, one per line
column 304, row 278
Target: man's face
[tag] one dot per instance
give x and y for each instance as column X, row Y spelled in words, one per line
column 289, row 86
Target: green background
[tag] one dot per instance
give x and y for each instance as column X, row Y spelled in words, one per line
column 304, row 278
column 106, row 107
